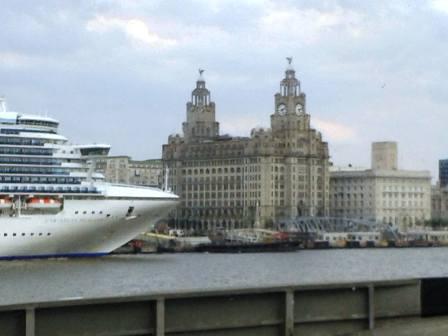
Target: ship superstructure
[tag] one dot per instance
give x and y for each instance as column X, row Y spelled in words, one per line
column 53, row 202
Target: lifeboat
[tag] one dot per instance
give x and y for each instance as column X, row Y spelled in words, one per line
column 6, row 203
column 43, row 203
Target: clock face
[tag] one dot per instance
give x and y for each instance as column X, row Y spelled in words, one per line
column 299, row 108
column 281, row 109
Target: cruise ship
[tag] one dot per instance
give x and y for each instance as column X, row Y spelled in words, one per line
column 54, row 203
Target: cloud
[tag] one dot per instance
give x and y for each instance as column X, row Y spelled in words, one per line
column 440, row 5
column 360, row 63
column 135, row 29
column 308, row 24
column 333, row 131
column 14, row 60
column 238, row 126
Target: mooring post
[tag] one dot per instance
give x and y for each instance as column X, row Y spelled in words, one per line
column 371, row 307
column 160, row 317
column 289, row 313
column 30, row 322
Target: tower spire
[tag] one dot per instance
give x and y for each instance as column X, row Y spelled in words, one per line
column 290, row 85
column 200, row 95
column 290, row 100
column 289, row 67
column 201, row 78
column 201, row 123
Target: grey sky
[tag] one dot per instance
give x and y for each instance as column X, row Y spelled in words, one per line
column 120, row 72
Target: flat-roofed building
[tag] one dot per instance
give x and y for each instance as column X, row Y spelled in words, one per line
column 122, row 169
column 400, row 197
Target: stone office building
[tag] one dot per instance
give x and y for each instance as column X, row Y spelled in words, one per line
column 122, row 169
column 235, row 182
column 383, row 193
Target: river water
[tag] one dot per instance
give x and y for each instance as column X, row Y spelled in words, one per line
column 125, row 275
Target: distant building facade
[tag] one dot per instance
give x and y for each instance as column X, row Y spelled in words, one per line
column 439, row 196
column 443, row 173
column 439, row 203
column 122, row 169
column 383, row 193
column 225, row 182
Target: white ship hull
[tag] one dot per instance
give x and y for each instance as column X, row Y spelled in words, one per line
column 54, row 203
column 83, row 227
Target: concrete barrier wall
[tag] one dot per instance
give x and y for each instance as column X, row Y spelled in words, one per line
column 297, row 310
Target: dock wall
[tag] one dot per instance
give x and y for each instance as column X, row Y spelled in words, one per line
column 331, row 309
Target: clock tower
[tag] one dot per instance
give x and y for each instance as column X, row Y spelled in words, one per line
column 290, row 104
column 201, row 122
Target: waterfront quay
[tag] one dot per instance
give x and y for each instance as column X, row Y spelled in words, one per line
column 318, row 292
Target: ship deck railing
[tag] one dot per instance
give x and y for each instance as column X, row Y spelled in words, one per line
column 49, row 190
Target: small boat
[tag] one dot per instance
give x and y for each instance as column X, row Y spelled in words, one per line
column 43, row 203
column 330, row 239
column 6, row 203
column 364, row 239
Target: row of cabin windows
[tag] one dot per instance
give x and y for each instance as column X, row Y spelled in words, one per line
column 26, row 151
column 32, row 160
column 48, row 189
column 38, row 179
column 21, row 141
column 18, row 131
column 35, row 170
column 14, row 234
column 93, row 212
column 37, row 122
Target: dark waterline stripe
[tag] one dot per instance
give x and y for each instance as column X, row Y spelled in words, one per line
column 63, row 255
